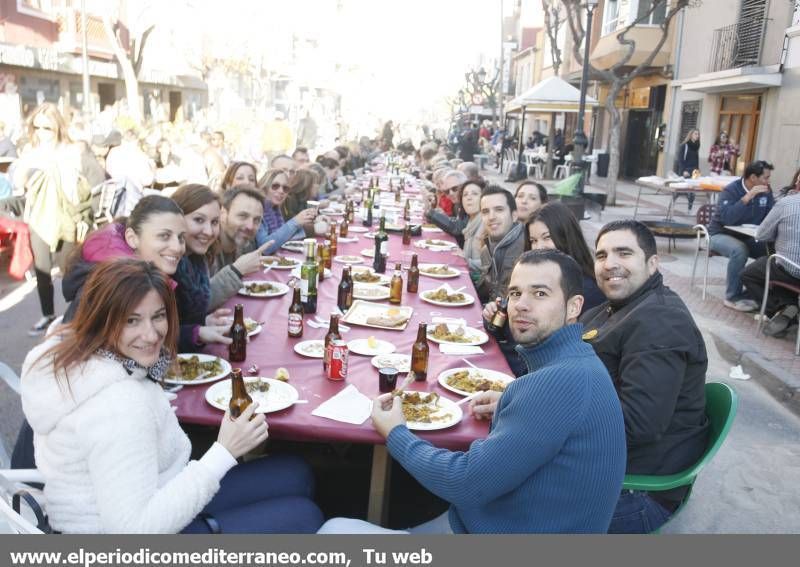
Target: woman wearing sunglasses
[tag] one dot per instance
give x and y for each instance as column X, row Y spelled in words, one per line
column 275, row 186
column 49, row 171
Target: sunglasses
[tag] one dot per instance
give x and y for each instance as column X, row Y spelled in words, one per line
column 453, row 189
column 50, row 128
column 276, row 186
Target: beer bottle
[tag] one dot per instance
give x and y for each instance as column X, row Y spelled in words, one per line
column 381, row 247
column 500, row 318
column 326, row 254
column 320, row 263
column 407, row 234
column 391, row 186
column 237, row 350
column 407, row 211
column 419, row 354
column 308, row 278
column 240, row 399
column 351, row 211
column 413, row 276
column 296, row 315
column 366, row 219
column 344, row 295
column 333, row 335
column 396, row 287
column 344, row 228
column 334, row 238
column 398, row 193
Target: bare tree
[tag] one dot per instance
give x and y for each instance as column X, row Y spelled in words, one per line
column 552, row 24
column 130, row 56
column 621, row 72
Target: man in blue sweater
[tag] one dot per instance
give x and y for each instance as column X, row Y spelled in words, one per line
column 745, row 201
column 554, row 459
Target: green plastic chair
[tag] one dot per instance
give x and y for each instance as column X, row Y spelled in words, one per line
column 721, row 404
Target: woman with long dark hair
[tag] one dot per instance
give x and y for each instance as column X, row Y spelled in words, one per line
column 108, row 444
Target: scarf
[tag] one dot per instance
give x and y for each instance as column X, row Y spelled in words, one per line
column 155, row 373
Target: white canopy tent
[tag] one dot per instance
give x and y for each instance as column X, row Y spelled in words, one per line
column 551, row 95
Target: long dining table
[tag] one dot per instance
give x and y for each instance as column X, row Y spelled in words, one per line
column 272, row 348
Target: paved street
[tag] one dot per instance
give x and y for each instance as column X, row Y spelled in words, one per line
column 750, row 487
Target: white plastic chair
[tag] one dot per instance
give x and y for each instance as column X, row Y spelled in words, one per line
column 12, row 381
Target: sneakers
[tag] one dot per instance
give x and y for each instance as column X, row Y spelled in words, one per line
column 780, row 321
column 744, row 305
column 41, row 326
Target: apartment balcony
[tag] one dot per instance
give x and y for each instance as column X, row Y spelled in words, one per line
column 70, row 33
column 737, row 45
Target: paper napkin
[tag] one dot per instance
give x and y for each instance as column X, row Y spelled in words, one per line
column 459, row 350
column 348, row 406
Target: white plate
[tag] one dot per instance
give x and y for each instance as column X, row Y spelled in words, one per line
column 255, row 331
column 347, row 239
column 468, row 299
column 226, row 369
column 368, row 235
column 360, row 269
column 279, row 396
column 332, row 212
column 368, row 252
column 448, row 408
column 431, row 229
column 313, row 349
column 280, row 289
column 276, row 266
column 478, row 337
column 400, row 361
column 440, row 246
column 454, row 273
column 348, row 260
column 484, row 372
column 362, row 310
column 358, row 229
column 361, row 346
column 370, row 292
column 292, row 247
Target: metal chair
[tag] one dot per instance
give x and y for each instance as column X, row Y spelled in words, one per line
column 721, row 405
column 770, row 284
column 21, row 506
column 702, row 219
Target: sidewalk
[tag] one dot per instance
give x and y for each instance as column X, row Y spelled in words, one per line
column 769, row 361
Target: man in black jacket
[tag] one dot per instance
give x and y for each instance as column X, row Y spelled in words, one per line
column 654, row 352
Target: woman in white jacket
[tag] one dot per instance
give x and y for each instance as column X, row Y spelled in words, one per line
column 109, row 446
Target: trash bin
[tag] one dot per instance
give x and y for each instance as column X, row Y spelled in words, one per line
column 602, row 165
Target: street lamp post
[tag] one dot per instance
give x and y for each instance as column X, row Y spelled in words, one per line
column 580, row 141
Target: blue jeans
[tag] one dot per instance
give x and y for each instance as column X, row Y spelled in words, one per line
column 271, row 495
column 637, row 513
column 737, row 251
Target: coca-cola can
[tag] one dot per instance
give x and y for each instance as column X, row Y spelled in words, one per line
column 337, row 355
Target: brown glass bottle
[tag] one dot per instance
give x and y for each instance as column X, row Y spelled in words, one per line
column 344, row 227
column 345, row 290
column 333, row 334
column 351, row 212
column 407, row 234
column 413, row 276
column 320, row 264
column 240, row 399
column 237, row 350
column 407, row 211
column 396, row 286
column 419, row 354
column 500, row 317
column 296, row 315
column 326, row 253
column 334, row 238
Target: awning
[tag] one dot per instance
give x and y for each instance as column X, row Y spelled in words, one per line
column 734, row 80
column 550, row 95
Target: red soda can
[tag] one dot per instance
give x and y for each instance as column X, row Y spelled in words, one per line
column 337, row 368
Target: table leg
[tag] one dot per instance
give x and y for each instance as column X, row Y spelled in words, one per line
column 378, row 507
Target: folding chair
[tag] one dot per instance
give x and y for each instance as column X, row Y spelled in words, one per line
column 768, row 285
column 721, row 405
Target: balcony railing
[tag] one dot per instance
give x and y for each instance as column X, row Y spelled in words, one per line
column 737, row 45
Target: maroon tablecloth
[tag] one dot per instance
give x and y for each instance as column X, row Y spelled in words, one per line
column 272, row 348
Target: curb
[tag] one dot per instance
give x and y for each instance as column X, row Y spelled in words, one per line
column 780, row 384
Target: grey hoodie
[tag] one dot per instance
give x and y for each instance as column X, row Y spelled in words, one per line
column 497, row 262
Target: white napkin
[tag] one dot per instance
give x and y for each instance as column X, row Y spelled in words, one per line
column 348, row 406
column 459, row 350
column 456, row 322
column 737, row 373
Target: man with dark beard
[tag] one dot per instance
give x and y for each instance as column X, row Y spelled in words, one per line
column 554, row 458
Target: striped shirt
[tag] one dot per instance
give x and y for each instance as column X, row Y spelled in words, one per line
column 273, row 218
column 782, row 225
